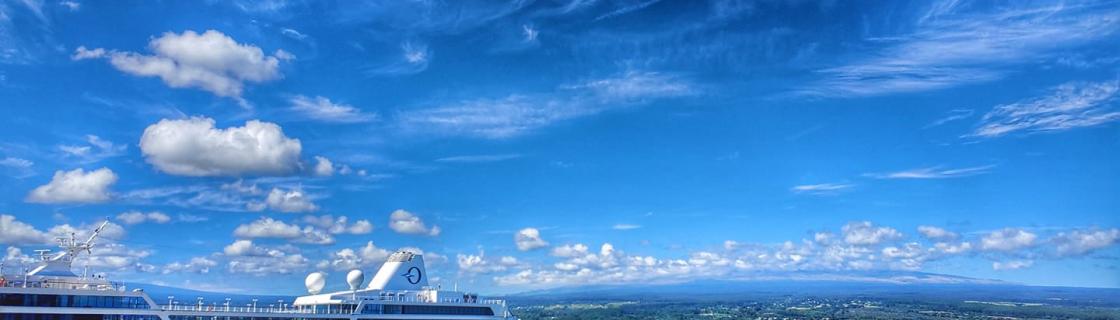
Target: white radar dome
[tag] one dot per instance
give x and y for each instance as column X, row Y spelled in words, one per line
column 355, row 279
column 315, row 282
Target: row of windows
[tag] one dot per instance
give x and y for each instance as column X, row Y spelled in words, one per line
column 421, row 309
column 74, row 301
column 24, row 316
column 238, row 318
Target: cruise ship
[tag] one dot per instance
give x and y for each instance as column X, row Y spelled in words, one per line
column 399, row 290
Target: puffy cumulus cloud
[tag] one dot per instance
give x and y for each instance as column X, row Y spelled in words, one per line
column 194, row 147
column 112, row 231
column 15, row 256
column 270, row 228
column 529, row 239
column 951, row 248
column 137, row 217
column 865, row 233
column 1007, row 239
column 1012, row 265
column 322, row 109
column 569, row 250
column 371, row 256
column 243, row 248
column 259, row 261
column 116, row 257
column 730, row 244
column 479, row 264
column 1080, row 242
column 15, row 232
column 289, row 201
column 339, row 225
column 75, row 186
column 267, row 228
column 210, row 61
column 199, row 265
column 323, row 167
column 405, row 222
column 936, row 233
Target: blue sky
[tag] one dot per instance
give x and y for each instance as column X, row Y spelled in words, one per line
column 533, row 144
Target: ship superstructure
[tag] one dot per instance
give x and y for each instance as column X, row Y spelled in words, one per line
column 399, row 290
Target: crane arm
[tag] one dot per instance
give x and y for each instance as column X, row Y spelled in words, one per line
column 89, row 243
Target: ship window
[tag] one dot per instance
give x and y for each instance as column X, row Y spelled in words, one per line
column 424, row 309
column 73, row 301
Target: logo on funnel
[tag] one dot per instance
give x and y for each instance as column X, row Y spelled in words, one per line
column 413, row 275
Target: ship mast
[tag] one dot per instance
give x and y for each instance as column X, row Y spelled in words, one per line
column 59, row 264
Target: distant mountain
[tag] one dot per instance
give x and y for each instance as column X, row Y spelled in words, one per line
column 188, row 296
column 894, row 284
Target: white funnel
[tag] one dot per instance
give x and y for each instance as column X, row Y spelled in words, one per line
column 403, row 271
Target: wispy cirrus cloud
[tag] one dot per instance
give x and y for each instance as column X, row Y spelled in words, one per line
column 822, row 189
column 1068, row 106
column 323, row 109
column 480, row 158
column 937, row 172
column 518, row 114
column 951, row 45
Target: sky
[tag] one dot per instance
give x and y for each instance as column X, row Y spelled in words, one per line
column 238, row 146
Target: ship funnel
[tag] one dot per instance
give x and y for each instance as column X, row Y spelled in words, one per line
column 403, row 271
column 355, row 279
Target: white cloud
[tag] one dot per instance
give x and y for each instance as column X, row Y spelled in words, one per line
column 322, row 109
column 478, row 264
column 137, row 217
column 963, row 46
column 405, row 222
column 950, row 248
column 366, row 256
column 933, row 173
column 246, row 257
column 323, row 167
column 72, row 5
column 822, row 189
column 267, row 228
column 569, row 250
column 936, row 233
column 529, row 239
column 865, row 233
column 244, row 248
column 17, row 163
column 530, row 34
column 480, row 158
column 270, row 228
column 112, row 231
column 339, row 225
column 88, row 153
column 625, row 226
column 15, row 232
column 1012, row 265
column 518, row 114
column 194, row 147
column 1069, row 106
column 1007, row 239
column 730, row 244
column 638, row 85
column 1080, row 242
column 75, row 186
column 293, row 200
column 209, row 61
column 199, row 265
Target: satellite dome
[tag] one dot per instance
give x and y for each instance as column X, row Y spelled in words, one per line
column 315, row 282
column 355, row 279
